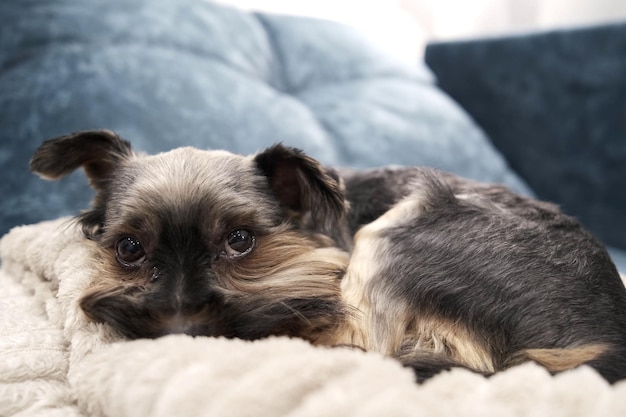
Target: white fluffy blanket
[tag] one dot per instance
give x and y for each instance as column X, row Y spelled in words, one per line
column 54, row 362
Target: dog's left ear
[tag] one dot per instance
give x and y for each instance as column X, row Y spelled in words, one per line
column 98, row 152
column 303, row 187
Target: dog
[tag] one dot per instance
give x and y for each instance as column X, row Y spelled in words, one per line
column 426, row 267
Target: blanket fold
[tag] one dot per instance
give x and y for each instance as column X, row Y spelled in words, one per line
column 56, row 362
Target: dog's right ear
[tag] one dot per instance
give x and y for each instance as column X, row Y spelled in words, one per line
column 98, row 152
column 303, row 187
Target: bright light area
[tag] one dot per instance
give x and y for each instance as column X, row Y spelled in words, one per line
column 403, row 27
column 384, row 22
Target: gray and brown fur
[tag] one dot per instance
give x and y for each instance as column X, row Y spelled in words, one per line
column 420, row 265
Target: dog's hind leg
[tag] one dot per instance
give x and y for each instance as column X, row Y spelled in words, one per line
column 609, row 361
column 427, row 364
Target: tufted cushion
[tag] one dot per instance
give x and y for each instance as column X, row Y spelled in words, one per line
column 170, row 73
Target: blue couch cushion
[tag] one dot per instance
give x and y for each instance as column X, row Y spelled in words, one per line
column 170, row 73
column 555, row 104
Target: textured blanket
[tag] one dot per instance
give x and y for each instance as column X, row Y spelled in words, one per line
column 55, row 362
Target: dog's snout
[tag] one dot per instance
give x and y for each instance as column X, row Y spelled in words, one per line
column 181, row 323
column 191, row 306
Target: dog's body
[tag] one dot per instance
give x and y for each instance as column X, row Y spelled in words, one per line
column 480, row 275
column 424, row 266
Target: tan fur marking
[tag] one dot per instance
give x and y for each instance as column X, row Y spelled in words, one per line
column 453, row 339
column 377, row 322
column 286, row 265
column 289, row 265
column 557, row 360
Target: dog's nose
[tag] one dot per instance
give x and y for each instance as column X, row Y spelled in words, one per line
column 176, row 324
column 185, row 324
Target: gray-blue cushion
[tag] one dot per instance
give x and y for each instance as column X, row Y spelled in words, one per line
column 170, row 73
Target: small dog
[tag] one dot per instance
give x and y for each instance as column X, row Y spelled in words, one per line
column 432, row 269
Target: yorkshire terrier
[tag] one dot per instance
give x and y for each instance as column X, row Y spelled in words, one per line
column 420, row 265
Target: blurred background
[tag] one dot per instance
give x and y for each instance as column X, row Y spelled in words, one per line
column 403, row 27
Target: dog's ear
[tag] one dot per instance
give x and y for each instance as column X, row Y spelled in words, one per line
column 98, row 152
column 303, row 187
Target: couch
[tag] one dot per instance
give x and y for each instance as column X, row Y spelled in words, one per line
column 190, row 72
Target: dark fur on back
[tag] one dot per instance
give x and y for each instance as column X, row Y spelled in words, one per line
column 515, row 271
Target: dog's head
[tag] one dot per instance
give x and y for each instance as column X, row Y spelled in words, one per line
column 207, row 242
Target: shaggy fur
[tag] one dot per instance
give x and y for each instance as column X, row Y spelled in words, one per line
column 441, row 271
column 481, row 276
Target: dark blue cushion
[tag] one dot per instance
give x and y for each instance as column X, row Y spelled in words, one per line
column 555, row 105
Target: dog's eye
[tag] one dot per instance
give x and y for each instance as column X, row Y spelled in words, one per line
column 129, row 252
column 239, row 243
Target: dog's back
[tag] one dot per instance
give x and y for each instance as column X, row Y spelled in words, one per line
column 480, row 276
